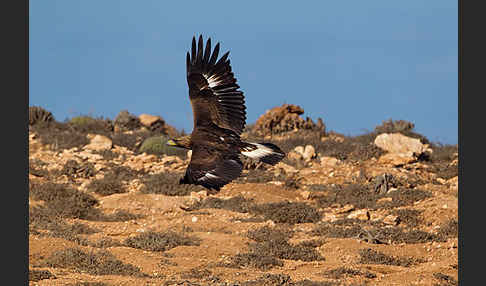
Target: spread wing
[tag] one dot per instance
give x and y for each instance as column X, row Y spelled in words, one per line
column 213, row 91
column 212, row 168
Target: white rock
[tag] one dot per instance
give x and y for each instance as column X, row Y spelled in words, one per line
column 98, row 143
column 398, row 143
column 147, row 119
column 329, row 161
column 299, row 150
column 309, row 152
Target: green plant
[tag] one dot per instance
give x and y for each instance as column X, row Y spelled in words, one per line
column 88, row 124
column 158, row 145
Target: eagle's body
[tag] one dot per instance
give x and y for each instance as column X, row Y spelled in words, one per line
column 219, row 118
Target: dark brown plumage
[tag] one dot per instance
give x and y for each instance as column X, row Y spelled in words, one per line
column 219, row 118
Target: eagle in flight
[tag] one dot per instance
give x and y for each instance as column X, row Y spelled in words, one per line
column 219, row 113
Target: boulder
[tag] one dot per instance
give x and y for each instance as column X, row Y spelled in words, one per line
column 98, row 143
column 398, row 143
column 283, row 119
column 126, row 121
column 309, row 153
column 148, row 120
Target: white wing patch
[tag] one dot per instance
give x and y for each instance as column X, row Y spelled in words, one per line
column 208, row 176
column 259, row 152
column 213, row 80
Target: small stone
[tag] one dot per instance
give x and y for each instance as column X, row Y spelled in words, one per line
column 391, row 220
column 286, row 168
column 397, row 159
column 198, row 196
column 299, row 150
column 344, row 209
column 305, row 195
column 148, row 158
column 87, row 155
column 293, row 155
column 384, row 200
column 359, row 214
column 194, row 219
column 309, row 152
column 440, row 180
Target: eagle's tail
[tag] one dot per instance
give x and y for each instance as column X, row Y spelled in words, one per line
column 266, row 152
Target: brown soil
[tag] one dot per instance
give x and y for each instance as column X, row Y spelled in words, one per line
column 332, row 228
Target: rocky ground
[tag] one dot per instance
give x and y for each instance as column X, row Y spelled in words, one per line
column 376, row 209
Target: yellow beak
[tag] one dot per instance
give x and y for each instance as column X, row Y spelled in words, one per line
column 171, row 142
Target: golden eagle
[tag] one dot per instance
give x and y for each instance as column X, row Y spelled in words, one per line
column 219, row 118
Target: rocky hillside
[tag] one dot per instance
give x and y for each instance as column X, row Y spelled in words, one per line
column 105, row 207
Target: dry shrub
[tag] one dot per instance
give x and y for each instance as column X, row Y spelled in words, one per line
column 95, row 263
column 37, row 275
column 269, row 279
column 73, row 169
column 160, row 241
column 108, row 185
column 271, row 246
column 105, row 242
column 63, row 201
column 38, row 114
column 87, row 124
column 60, row 136
column 167, row 184
column 362, row 196
column 287, row 212
column 60, row 201
column 341, row 272
column 378, row 231
column 445, row 280
column 370, row 256
column 412, row 218
column 400, row 126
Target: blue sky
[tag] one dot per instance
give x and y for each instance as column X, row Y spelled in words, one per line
column 352, row 63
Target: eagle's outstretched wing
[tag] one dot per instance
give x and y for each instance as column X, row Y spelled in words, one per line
column 213, row 91
column 212, row 168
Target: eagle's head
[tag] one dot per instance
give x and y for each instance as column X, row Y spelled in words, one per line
column 182, row 142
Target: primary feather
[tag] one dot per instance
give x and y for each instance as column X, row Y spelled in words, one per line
column 219, row 118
